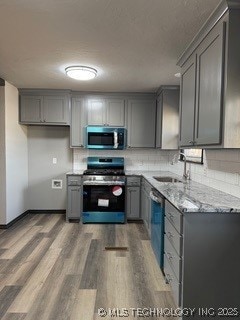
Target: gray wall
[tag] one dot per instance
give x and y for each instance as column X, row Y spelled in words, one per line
column 44, row 144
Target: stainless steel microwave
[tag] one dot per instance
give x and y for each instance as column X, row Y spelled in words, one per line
column 110, row 138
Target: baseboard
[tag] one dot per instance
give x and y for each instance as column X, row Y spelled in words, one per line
column 6, row 226
column 59, row 211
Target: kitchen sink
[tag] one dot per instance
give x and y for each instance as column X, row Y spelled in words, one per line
column 167, row 179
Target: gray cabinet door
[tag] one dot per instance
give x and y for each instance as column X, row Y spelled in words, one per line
column 159, row 121
column 31, row 109
column 78, row 122
column 74, row 205
column 141, row 123
column 96, row 112
column 170, row 119
column 115, row 112
column 187, row 102
column 210, row 61
column 56, row 109
column 133, row 202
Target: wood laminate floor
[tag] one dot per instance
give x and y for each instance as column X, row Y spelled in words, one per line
column 53, row 270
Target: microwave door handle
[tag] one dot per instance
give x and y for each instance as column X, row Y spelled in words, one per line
column 115, row 139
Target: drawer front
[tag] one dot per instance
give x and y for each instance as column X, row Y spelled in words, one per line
column 74, row 180
column 133, row 181
column 173, row 258
column 173, row 236
column 173, row 282
column 174, row 216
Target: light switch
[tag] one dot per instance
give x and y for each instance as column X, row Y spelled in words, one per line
column 54, row 160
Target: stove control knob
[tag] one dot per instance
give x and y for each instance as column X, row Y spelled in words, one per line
column 94, row 178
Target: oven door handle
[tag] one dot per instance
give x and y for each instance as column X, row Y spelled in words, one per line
column 104, row 183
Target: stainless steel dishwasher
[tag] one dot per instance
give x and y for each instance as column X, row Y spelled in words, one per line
column 157, row 225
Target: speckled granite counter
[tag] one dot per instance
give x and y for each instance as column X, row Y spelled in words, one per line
column 76, row 172
column 191, row 196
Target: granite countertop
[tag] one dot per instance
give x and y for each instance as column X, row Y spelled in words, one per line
column 76, row 172
column 187, row 197
column 191, row 196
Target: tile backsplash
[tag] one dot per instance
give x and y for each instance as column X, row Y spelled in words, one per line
column 221, row 168
column 142, row 159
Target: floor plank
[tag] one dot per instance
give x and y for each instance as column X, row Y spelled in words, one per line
column 50, row 269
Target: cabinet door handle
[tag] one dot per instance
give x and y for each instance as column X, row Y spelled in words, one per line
column 171, row 216
column 168, row 278
column 169, row 255
column 81, row 145
column 129, row 146
column 170, row 235
column 191, row 142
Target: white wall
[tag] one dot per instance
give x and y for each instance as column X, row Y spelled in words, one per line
column 2, row 158
column 16, row 157
column 44, row 144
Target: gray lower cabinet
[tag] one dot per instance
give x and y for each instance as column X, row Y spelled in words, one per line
column 201, row 263
column 141, row 123
column 78, row 122
column 74, row 197
column 106, row 111
column 133, row 198
column 167, row 124
column 44, row 107
column 146, row 204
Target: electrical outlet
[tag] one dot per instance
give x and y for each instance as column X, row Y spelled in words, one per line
column 56, row 184
column 54, row 160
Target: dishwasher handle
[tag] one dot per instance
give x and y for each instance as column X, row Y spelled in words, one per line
column 156, row 198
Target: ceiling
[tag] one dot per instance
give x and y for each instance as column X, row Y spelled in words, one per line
column 134, row 44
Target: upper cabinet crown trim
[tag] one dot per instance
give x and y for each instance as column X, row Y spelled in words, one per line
column 217, row 14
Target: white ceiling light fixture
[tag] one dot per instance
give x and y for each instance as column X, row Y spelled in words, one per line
column 81, row 73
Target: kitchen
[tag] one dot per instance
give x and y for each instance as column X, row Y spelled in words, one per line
column 44, row 120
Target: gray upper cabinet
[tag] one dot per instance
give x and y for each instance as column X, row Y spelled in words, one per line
column 167, row 125
column 201, row 91
column 56, row 109
column 44, row 107
column 31, row 109
column 106, row 112
column 78, row 122
column 187, row 102
column 115, row 112
column 210, row 95
column 96, row 112
column 210, row 87
column 141, row 123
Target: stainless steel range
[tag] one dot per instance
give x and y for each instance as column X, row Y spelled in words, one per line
column 104, row 190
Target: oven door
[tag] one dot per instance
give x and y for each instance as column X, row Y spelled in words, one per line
column 103, row 203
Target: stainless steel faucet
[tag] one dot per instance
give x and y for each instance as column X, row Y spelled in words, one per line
column 186, row 173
